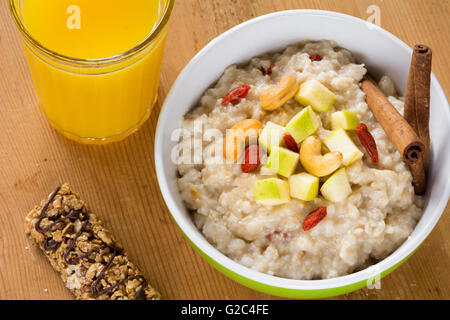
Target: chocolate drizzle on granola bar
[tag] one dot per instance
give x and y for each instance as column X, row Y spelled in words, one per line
column 51, row 245
column 43, row 212
column 140, row 294
column 84, row 228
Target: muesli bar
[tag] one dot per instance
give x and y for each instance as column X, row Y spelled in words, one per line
column 91, row 263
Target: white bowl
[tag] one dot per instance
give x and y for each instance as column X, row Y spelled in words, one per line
column 382, row 52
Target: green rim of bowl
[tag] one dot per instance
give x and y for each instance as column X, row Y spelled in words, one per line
column 286, row 292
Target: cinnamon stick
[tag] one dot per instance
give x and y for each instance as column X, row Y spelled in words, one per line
column 398, row 130
column 418, row 172
column 417, row 96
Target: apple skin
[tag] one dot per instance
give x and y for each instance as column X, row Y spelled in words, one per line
column 336, row 188
column 344, row 119
column 304, row 186
column 315, row 94
column 272, row 191
column 303, row 124
column 271, row 135
column 282, row 161
column 339, row 140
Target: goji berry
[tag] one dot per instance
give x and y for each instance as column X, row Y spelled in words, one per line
column 236, row 95
column 290, row 143
column 267, row 71
column 314, row 218
column 368, row 142
column 251, row 159
column 316, row 57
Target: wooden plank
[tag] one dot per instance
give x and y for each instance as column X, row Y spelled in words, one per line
column 119, row 180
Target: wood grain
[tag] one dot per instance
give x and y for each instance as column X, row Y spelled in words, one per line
column 119, row 181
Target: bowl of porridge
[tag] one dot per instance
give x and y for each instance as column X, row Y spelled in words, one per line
column 263, row 155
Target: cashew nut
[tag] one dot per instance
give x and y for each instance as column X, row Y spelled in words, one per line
column 238, row 136
column 314, row 162
column 273, row 98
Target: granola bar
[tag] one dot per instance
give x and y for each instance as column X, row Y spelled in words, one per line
column 91, row 263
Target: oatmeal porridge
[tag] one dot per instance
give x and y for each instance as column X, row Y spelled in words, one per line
column 316, row 202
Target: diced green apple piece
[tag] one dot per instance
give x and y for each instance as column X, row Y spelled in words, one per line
column 304, row 124
column 339, row 140
column 271, row 135
column 344, row 119
column 272, row 191
column 337, row 187
column 304, row 186
column 282, row 161
column 313, row 93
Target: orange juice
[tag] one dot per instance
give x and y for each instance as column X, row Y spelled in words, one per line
column 95, row 63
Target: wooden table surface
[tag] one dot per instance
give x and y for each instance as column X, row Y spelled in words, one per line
column 119, row 180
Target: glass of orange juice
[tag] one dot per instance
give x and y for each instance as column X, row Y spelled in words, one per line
column 95, row 63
